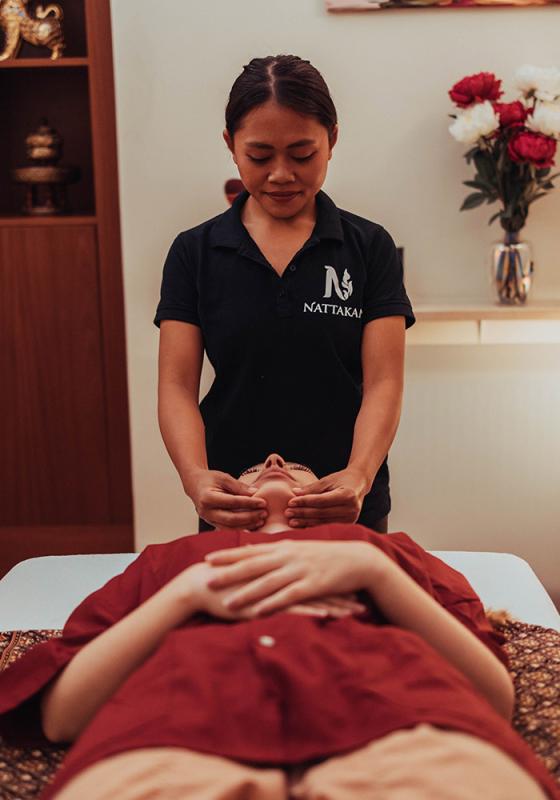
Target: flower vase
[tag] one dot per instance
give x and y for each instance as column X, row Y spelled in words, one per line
column 512, row 269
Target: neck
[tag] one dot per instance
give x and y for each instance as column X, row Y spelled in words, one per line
column 253, row 214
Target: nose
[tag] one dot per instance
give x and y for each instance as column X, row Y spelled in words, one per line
column 274, row 460
column 281, row 173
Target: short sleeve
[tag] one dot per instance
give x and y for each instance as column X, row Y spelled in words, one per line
column 446, row 585
column 179, row 294
column 384, row 294
column 21, row 683
column 454, row 592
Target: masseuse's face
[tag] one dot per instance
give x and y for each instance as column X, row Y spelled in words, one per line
column 276, row 470
column 282, row 157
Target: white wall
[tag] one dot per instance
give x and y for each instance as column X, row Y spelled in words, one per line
column 476, row 463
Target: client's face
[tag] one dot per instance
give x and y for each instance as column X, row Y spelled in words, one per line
column 277, row 471
column 275, row 480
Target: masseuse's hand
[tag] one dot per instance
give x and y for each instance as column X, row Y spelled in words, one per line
column 337, row 497
column 286, row 572
column 225, row 502
column 193, row 583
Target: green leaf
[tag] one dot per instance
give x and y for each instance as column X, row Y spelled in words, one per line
column 536, row 196
column 482, row 185
column 547, row 185
column 493, row 217
column 541, row 173
column 470, row 153
column 485, row 167
column 472, row 201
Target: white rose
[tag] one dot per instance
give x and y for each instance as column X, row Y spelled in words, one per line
column 545, row 119
column 543, row 82
column 475, row 121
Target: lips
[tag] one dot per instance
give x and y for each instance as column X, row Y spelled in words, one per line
column 282, row 195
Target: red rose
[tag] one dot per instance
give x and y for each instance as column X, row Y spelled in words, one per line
column 475, row 89
column 511, row 113
column 534, row 147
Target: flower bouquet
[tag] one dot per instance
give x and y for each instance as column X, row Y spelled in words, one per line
column 513, row 150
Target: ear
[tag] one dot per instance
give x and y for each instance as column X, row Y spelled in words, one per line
column 229, row 141
column 333, row 139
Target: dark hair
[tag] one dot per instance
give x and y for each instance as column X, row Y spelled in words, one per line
column 290, row 81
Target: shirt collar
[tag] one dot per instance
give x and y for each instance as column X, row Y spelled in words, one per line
column 229, row 230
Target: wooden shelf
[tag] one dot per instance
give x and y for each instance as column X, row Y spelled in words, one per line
column 25, row 63
column 453, row 322
column 443, row 311
column 61, row 219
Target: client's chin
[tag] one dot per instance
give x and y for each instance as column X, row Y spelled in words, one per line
column 277, row 492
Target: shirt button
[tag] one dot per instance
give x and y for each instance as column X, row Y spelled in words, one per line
column 267, row 641
column 292, row 267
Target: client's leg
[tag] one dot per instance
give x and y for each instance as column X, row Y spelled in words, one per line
column 424, row 763
column 173, row 773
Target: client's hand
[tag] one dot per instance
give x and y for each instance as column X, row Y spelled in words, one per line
column 289, row 572
column 225, row 502
column 197, row 577
column 337, row 497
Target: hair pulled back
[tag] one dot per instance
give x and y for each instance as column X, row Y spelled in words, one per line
column 288, row 80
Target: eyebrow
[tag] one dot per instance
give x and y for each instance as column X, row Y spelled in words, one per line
column 264, row 146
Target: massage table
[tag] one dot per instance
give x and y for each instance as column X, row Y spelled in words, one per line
column 40, row 593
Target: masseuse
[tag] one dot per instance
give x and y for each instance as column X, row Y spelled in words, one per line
column 301, row 309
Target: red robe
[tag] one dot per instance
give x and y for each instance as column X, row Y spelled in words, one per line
column 311, row 687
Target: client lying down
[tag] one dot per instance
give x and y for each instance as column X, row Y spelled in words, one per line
column 325, row 662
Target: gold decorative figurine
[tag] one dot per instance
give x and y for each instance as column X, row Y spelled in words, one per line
column 18, row 25
column 45, row 181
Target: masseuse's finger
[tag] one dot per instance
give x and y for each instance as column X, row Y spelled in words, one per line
column 234, row 486
column 312, row 523
column 219, row 499
column 317, row 512
column 237, row 519
column 316, row 487
column 340, row 496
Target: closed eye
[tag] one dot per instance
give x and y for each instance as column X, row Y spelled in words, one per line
column 267, row 158
column 290, row 465
column 252, row 469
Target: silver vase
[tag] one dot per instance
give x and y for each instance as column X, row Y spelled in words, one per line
column 512, row 269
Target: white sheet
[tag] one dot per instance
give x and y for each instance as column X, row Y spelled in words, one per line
column 40, row 593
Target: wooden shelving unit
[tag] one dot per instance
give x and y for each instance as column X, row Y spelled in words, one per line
column 464, row 322
column 44, row 63
column 65, row 471
column 16, row 221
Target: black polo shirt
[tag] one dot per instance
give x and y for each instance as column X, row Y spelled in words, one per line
column 285, row 350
